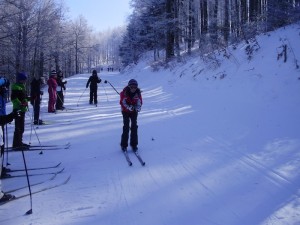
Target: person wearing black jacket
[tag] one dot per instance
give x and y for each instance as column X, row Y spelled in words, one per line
column 93, row 82
column 61, row 86
column 4, row 119
column 35, row 99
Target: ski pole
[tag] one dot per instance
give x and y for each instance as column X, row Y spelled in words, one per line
column 2, row 147
column 40, row 114
column 81, row 96
column 31, row 121
column 111, row 86
column 28, row 183
column 6, row 145
column 105, row 92
column 37, row 137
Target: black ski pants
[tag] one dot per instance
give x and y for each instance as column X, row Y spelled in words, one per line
column 19, row 130
column 59, row 100
column 93, row 96
column 36, row 110
column 127, row 118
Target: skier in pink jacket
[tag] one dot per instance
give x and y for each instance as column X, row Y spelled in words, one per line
column 52, row 84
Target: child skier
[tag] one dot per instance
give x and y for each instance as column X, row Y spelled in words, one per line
column 131, row 103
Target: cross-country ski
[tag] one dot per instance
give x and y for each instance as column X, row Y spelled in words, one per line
column 136, row 153
column 54, row 123
column 33, row 174
column 39, row 147
column 66, row 145
column 36, row 168
column 31, row 184
column 128, row 159
column 39, row 190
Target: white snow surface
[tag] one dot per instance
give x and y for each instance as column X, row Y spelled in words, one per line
column 221, row 146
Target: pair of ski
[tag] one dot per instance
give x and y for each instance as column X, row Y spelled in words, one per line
column 66, row 122
column 9, row 175
column 33, row 169
column 38, row 183
column 67, row 110
column 136, row 153
column 41, row 147
column 38, row 191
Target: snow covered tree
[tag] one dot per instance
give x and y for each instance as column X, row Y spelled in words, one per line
column 145, row 30
column 79, row 34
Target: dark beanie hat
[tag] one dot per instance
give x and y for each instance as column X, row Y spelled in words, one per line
column 21, row 76
column 133, row 82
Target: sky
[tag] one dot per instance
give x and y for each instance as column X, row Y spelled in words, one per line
column 100, row 14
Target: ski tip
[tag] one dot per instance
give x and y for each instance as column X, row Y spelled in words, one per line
column 143, row 164
column 130, row 164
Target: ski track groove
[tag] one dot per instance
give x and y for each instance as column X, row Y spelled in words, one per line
column 186, row 167
column 267, row 172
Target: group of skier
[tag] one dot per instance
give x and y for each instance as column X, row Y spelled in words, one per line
column 4, row 119
column 130, row 101
column 56, row 86
column 20, row 101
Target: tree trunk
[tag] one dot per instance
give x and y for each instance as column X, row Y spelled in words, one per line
column 226, row 29
column 170, row 31
column 203, row 21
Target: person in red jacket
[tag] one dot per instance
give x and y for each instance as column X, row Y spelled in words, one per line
column 52, row 85
column 131, row 103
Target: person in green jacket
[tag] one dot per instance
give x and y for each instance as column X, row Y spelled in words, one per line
column 20, row 104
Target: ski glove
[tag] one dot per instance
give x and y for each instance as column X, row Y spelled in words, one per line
column 130, row 108
column 16, row 114
column 138, row 108
column 24, row 104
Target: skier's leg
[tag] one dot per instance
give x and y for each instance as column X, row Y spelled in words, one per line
column 91, row 96
column 134, row 130
column 95, row 97
column 125, row 134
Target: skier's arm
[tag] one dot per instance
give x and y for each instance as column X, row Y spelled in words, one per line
column 123, row 102
column 4, row 119
column 138, row 105
column 88, row 82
